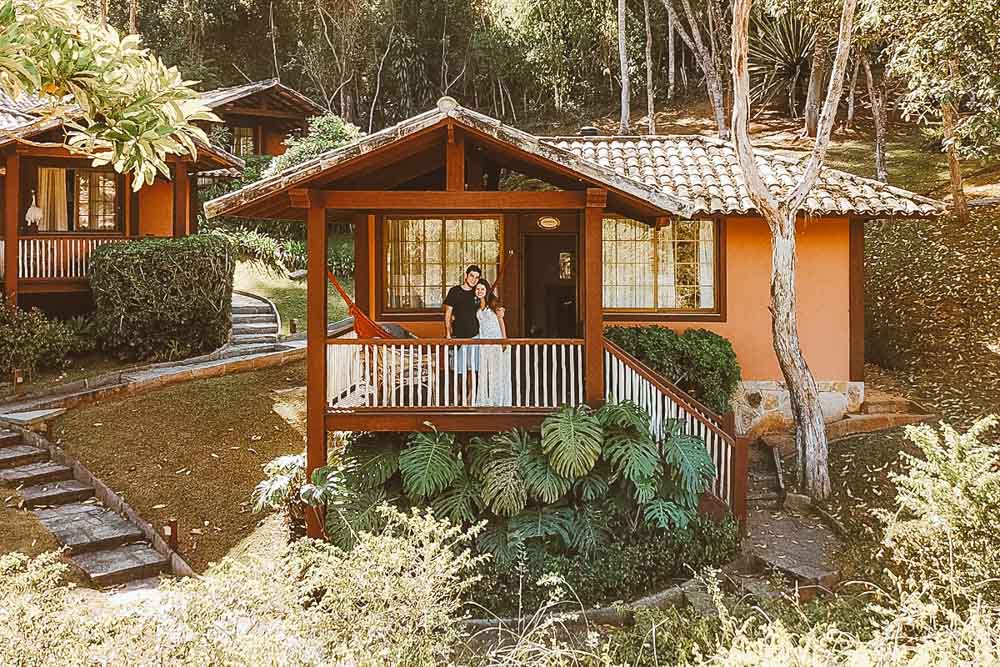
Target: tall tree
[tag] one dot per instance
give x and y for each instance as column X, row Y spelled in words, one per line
column 650, row 100
column 780, row 214
column 877, row 95
column 706, row 54
column 671, row 57
column 623, row 127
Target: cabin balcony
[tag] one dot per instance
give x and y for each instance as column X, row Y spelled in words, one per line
column 55, row 262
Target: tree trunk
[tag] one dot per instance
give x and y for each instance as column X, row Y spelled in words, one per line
column 850, row 96
column 810, row 432
column 623, row 127
column 876, row 93
column 671, row 58
column 817, row 79
column 949, row 117
column 650, row 102
column 133, row 17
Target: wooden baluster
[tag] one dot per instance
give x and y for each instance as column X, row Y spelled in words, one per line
column 572, row 376
column 517, row 375
column 536, row 402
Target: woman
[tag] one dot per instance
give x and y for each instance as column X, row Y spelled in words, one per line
column 494, row 360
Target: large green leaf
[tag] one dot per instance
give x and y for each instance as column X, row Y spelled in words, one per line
column 371, row 464
column 504, row 488
column 687, row 460
column 429, row 464
column 667, row 515
column 461, row 502
column 350, row 513
column 572, row 439
column 544, row 522
column 543, row 483
column 594, row 485
column 590, row 528
column 500, row 542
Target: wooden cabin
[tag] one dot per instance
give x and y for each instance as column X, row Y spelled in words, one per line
column 610, row 230
column 260, row 115
column 74, row 207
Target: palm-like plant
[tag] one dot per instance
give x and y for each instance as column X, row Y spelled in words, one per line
column 779, row 56
column 572, row 439
column 688, row 464
column 461, row 502
column 429, row 464
column 543, row 483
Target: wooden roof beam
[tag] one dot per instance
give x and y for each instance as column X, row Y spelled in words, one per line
column 425, row 200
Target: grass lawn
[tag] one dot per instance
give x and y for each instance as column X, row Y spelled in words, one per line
column 289, row 296
column 193, row 452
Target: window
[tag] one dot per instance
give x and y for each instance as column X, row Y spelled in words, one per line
column 244, row 141
column 667, row 268
column 77, row 200
column 426, row 256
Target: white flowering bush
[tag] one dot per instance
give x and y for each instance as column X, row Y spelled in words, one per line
column 393, row 599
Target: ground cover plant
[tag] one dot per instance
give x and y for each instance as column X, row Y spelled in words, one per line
column 163, row 298
column 30, row 340
column 700, row 362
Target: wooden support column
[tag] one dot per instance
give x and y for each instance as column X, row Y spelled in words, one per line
column 193, row 204
column 182, row 196
column 362, row 269
column 474, row 169
column 316, row 306
column 455, row 161
column 11, row 199
column 593, row 309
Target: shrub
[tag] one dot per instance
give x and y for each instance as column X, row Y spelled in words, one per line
column 699, row 361
column 325, row 133
column 29, row 340
column 339, row 255
column 163, row 298
column 255, row 248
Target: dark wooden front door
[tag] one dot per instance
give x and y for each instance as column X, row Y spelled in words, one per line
column 550, row 286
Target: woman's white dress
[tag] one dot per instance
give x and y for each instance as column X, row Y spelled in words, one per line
column 493, row 384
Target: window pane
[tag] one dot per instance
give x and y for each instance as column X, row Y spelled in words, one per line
column 686, row 271
column 425, row 257
column 243, row 141
column 96, row 194
column 628, row 264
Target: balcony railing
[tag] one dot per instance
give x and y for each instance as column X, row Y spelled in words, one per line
column 56, row 257
column 434, row 373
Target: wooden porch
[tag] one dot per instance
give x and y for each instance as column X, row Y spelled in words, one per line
column 46, row 263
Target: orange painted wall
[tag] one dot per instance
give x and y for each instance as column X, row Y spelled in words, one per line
column 274, row 142
column 823, row 290
column 156, row 209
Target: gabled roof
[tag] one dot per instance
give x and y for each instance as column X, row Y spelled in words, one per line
column 288, row 98
column 685, row 176
column 705, row 173
column 25, row 117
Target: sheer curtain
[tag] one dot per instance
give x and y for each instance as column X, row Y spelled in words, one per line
column 52, row 199
column 706, row 264
column 666, row 274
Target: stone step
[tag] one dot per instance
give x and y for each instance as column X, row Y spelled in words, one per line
column 248, row 349
column 855, row 424
column 35, row 473
column 9, row 438
column 888, row 405
column 56, row 493
column 255, row 328
column 262, row 309
column 19, row 455
column 252, row 318
column 109, row 567
column 246, row 339
column 83, row 527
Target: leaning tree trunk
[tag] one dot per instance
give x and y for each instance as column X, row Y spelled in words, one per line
column 949, row 117
column 817, row 80
column 810, row 432
column 671, row 57
column 623, row 60
column 849, row 123
column 650, row 102
column 876, row 93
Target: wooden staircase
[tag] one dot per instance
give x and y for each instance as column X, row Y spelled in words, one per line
column 107, row 548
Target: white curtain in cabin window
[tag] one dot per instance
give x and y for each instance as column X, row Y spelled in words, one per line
column 667, row 288
column 706, row 264
column 52, row 199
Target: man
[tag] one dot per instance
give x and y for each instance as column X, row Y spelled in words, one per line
column 461, row 308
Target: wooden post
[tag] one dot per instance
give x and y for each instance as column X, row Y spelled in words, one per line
column 593, row 310
column 11, row 199
column 740, row 472
column 455, row 161
column 193, row 203
column 362, row 269
column 316, row 238
column 181, row 199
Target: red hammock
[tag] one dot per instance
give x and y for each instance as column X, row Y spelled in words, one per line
column 366, row 327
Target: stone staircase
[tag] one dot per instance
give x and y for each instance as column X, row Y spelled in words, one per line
column 255, row 324
column 107, row 548
column 765, row 478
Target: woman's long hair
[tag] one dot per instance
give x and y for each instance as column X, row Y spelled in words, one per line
column 492, row 302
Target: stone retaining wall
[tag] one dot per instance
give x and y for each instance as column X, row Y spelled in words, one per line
column 763, row 406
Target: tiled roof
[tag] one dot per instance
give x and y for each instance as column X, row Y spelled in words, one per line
column 704, row 172
column 684, row 176
column 219, row 96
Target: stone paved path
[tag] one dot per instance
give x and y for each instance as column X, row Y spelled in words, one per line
column 107, row 548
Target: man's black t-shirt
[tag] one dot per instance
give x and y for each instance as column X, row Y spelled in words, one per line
column 464, row 306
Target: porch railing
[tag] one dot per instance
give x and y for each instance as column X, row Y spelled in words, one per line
column 63, row 257
column 628, row 379
column 429, row 373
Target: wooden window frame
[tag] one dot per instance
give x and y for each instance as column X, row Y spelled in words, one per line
column 254, row 131
column 716, row 314
column 29, row 183
column 382, row 284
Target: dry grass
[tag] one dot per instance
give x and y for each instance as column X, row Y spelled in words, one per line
column 193, row 452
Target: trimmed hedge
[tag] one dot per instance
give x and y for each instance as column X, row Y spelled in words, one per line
column 163, row 298
column 698, row 361
column 30, row 340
